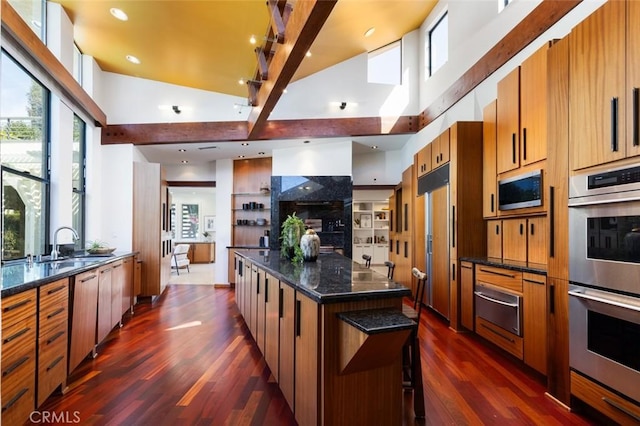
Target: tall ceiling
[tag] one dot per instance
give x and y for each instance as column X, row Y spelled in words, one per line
column 205, row 44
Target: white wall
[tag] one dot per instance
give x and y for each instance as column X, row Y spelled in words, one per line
column 191, row 172
column 377, row 168
column 224, row 185
column 331, row 159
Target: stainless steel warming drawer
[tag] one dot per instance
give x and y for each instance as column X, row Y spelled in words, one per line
column 500, row 308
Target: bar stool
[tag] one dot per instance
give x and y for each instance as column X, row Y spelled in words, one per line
column 412, row 365
column 367, row 260
column 390, row 268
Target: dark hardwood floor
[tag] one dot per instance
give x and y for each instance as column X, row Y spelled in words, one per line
column 189, row 360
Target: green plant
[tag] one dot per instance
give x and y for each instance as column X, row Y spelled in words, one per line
column 292, row 230
column 96, row 244
column 206, row 234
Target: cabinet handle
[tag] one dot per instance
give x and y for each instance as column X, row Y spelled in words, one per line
column 15, row 336
column 298, row 308
column 55, row 290
column 440, row 156
column 391, row 245
column 453, row 226
column 521, row 229
column 397, row 247
column 552, row 222
column 497, row 273
column 257, row 283
column 105, row 270
column 493, row 196
column 406, row 249
column 406, row 217
column 513, row 147
column 280, row 302
column 56, row 312
column 499, row 334
column 15, row 365
column 16, row 305
column 453, row 272
column 117, row 266
column 55, row 362
column 531, row 231
column 524, row 143
column 552, row 298
column 614, row 124
column 497, row 229
column 614, row 404
column 14, row 399
column 266, row 290
column 55, row 337
column 533, row 281
column 89, row 278
column 636, row 119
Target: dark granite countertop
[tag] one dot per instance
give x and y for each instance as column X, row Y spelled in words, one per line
column 374, row 321
column 535, row 268
column 19, row 277
column 333, row 278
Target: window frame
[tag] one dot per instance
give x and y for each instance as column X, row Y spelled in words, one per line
column 430, row 43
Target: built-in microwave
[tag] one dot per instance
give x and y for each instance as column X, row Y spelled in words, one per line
column 520, row 191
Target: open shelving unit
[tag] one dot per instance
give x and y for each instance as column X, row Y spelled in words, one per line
column 371, row 231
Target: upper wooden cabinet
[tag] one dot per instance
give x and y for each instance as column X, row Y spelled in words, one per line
column 603, row 125
column 522, row 114
column 489, row 175
column 423, row 160
column 440, row 150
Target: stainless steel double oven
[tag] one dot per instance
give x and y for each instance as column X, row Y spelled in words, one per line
column 604, row 274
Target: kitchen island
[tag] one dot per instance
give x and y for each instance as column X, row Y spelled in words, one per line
column 330, row 332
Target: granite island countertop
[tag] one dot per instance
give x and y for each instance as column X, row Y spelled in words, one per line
column 332, row 278
column 19, row 276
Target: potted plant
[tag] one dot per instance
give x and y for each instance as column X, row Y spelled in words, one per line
column 292, row 230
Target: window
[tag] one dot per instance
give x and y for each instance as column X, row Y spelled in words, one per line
column 78, row 175
column 23, row 155
column 438, row 44
column 190, row 221
column 384, row 65
column 502, row 4
column 33, row 13
column 77, row 64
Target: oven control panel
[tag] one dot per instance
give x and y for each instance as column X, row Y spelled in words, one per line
column 614, row 178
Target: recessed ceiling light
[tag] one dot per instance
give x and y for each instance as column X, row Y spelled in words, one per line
column 370, row 32
column 308, row 55
column 374, row 147
column 244, row 144
column 241, row 81
column 133, row 59
column 240, row 156
column 284, row 90
column 306, row 141
column 184, row 161
column 182, row 150
column 252, row 40
column 118, row 14
column 261, row 153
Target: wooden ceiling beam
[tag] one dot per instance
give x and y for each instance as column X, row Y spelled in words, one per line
column 302, row 27
column 197, row 132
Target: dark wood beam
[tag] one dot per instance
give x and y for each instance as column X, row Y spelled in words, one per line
column 192, row 183
column 263, row 68
column 159, row 133
column 543, row 17
column 278, row 23
column 303, row 26
column 155, row 133
column 21, row 36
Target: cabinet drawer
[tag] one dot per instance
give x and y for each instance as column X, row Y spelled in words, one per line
column 18, row 340
column 18, row 306
column 17, row 405
column 54, row 306
column 54, row 293
column 502, row 338
column 511, row 280
column 17, row 373
column 603, row 400
column 53, row 343
column 52, row 362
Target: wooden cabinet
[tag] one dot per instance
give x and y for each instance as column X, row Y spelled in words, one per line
column 248, row 177
column 489, row 170
column 18, row 361
column 422, row 160
column 272, row 324
column 53, row 316
column 534, row 321
column 287, row 343
column 117, row 288
column 440, row 150
column 522, row 114
column 128, row 279
column 524, row 239
column 105, row 325
column 603, row 87
column 203, row 252
column 307, row 371
column 260, row 311
column 84, row 317
column 151, row 223
column 466, row 295
column 621, row 410
column 494, row 239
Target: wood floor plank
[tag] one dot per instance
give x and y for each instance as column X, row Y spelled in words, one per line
column 189, row 359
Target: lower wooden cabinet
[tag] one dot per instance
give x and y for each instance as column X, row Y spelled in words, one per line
column 307, row 371
column 500, row 337
column 534, row 319
column 104, row 303
column 18, row 361
column 287, row 343
column 466, row 295
column 53, row 326
column 272, row 324
column 84, row 317
column 619, row 409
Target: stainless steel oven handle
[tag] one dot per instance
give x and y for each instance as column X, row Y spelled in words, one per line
column 621, row 408
column 603, row 300
column 602, row 199
column 491, row 299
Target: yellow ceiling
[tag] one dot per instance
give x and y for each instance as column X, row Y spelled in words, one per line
column 204, row 44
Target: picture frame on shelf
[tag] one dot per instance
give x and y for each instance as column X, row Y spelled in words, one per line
column 209, row 223
column 365, row 221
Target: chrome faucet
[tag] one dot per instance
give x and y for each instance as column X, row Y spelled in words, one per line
column 54, row 250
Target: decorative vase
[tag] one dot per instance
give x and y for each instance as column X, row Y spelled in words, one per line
column 310, row 245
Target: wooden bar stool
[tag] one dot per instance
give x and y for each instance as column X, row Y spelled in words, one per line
column 412, row 365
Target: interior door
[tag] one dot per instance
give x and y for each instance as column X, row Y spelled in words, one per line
column 439, row 274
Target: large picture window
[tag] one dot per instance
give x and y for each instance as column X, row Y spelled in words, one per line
column 24, row 105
